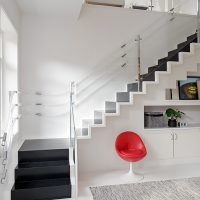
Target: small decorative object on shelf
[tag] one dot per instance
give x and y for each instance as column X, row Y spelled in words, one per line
column 173, row 115
column 153, row 120
column 182, row 124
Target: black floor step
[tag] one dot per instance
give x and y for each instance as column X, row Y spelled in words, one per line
column 110, row 107
column 123, row 97
column 42, row 171
column 43, row 150
column 42, row 189
column 43, row 164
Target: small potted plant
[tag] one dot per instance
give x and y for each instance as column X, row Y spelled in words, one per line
column 173, row 115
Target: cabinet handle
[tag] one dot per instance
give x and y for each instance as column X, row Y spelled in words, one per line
column 176, row 136
column 172, row 136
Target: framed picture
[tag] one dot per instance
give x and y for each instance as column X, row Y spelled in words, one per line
column 188, row 88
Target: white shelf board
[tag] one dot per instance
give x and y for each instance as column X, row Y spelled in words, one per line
column 174, row 103
column 189, row 126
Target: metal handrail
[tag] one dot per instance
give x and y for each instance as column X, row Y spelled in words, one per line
column 73, row 135
column 8, row 129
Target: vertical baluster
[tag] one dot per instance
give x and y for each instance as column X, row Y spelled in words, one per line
column 139, row 61
column 198, row 20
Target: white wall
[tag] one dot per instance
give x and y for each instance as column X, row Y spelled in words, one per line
column 158, row 4
column 55, row 51
column 12, row 10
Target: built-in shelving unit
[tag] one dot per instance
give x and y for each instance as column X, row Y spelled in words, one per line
column 190, row 108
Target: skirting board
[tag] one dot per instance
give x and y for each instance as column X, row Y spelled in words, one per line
column 167, row 162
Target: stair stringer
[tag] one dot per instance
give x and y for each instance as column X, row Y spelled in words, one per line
column 98, row 153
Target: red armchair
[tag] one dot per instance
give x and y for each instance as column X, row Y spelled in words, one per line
column 130, row 147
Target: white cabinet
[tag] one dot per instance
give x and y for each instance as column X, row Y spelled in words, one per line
column 187, row 143
column 159, row 144
column 172, row 143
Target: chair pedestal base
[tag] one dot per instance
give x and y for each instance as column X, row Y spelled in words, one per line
column 131, row 176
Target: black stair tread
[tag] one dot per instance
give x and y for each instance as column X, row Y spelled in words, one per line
column 123, row 96
column 192, row 37
column 148, row 77
column 41, row 183
column 183, row 44
column 152, row 69
column 173, row 53
column 110, row 107
column 42, row 164
column 162, row 60
column 132, row 87
column 44, row 144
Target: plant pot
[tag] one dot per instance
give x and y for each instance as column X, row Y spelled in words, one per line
column 172, row 123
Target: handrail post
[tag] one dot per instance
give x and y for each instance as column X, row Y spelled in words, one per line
column 73, row 138
column 151, row 5
column 138, row 39
column 198, row 21
column 70, row 112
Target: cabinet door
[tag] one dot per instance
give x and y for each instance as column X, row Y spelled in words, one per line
column 159, row 144
column 187, row 143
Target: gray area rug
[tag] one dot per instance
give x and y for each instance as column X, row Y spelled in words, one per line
column 182, row 189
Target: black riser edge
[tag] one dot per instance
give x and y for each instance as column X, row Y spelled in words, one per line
column 43, row 155
column 149, row 77
column 132, row 87
column 29, row 174
column 174, row 57
column 44, row 193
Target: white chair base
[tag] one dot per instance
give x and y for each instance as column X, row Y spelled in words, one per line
column 131, row 176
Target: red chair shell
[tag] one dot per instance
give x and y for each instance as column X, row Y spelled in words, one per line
column 130, row 147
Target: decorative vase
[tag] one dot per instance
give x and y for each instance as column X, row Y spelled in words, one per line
column 172, row 123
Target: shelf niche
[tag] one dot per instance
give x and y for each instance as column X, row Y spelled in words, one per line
column 191, row 117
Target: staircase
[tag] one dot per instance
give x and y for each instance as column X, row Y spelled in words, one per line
column 43, row 171
column 127, row 112
column 172, row 56
column 124, row 97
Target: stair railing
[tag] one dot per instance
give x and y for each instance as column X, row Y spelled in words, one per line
column 7, row 136
column 198, row 20
column 73, row 137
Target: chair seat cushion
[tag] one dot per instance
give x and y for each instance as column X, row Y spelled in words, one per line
column 130, row 147
column 132, row 155
column 132, row 152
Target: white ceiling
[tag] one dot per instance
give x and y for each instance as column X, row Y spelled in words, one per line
column 70, row 8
